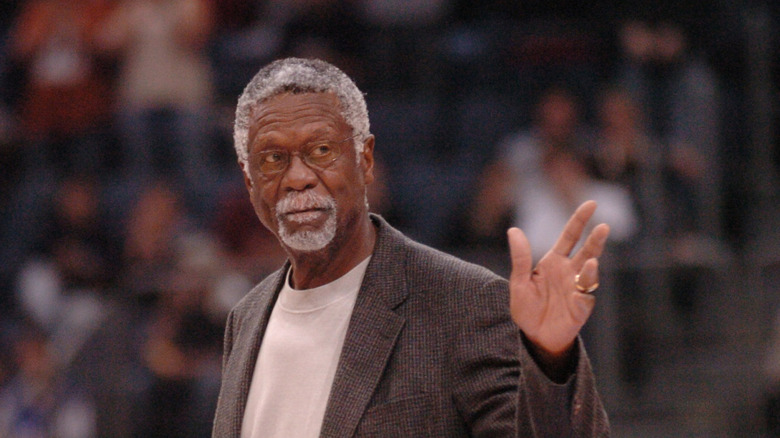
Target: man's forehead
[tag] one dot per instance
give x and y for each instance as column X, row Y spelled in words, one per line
column 293, row 105
column 311, row 111
column 292, row 97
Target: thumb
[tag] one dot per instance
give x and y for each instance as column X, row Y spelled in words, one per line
column 520, row 255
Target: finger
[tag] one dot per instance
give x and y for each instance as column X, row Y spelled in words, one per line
column 520, row 254
column 588, row 277
column 573, row 230
column 584, row 304
column 593, row 247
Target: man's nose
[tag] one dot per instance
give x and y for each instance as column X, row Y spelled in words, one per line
column 299, row 176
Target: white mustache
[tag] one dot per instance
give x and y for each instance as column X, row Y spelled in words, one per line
column 300, row 201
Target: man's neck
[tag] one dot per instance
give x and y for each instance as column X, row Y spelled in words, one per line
column 313, row 269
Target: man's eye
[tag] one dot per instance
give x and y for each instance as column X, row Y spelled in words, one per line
column 321, row 150
column 272, row 157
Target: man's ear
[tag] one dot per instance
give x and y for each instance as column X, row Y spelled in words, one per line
column 245, row 172
column 367, row 160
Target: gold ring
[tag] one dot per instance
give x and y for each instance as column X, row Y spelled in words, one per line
column 585, row 290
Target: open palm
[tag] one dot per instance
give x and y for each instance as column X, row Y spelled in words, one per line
column 544, row 301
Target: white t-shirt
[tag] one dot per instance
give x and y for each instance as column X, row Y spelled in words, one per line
column 298, row 358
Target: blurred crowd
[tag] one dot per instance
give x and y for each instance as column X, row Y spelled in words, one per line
column 126, row 234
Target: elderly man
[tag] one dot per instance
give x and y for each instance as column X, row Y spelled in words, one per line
column 364, row 332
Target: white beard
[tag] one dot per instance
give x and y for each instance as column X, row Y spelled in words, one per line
column 307, row 240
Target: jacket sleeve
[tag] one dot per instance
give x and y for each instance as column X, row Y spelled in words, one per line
column 501, row 391
column 570, row 409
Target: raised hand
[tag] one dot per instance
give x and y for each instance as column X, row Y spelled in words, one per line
column 546, row 303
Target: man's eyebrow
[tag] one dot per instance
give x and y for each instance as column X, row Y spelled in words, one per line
column 320, row 134
column 261, row 141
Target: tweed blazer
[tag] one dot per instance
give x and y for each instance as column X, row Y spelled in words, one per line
column 431, row 351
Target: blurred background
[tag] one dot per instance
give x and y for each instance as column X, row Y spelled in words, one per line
column 126, row 234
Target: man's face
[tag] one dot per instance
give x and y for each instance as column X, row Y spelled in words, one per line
column 307, row 206
column 558, row 117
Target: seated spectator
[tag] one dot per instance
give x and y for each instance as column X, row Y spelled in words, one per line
column 181, row 345
column 540, row 177
column 562, row 184
column 678, row 92
column 165, row 94
column 63, row 285
column 627, row 154
column 152, row 225
column 38, row 399
column 65, row 104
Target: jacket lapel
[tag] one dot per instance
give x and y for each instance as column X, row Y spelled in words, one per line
column 371, row 336
column 247, row 345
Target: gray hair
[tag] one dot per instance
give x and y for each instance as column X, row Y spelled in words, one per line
column 296, row 75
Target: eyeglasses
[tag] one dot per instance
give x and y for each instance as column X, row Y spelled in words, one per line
column 317, row 155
